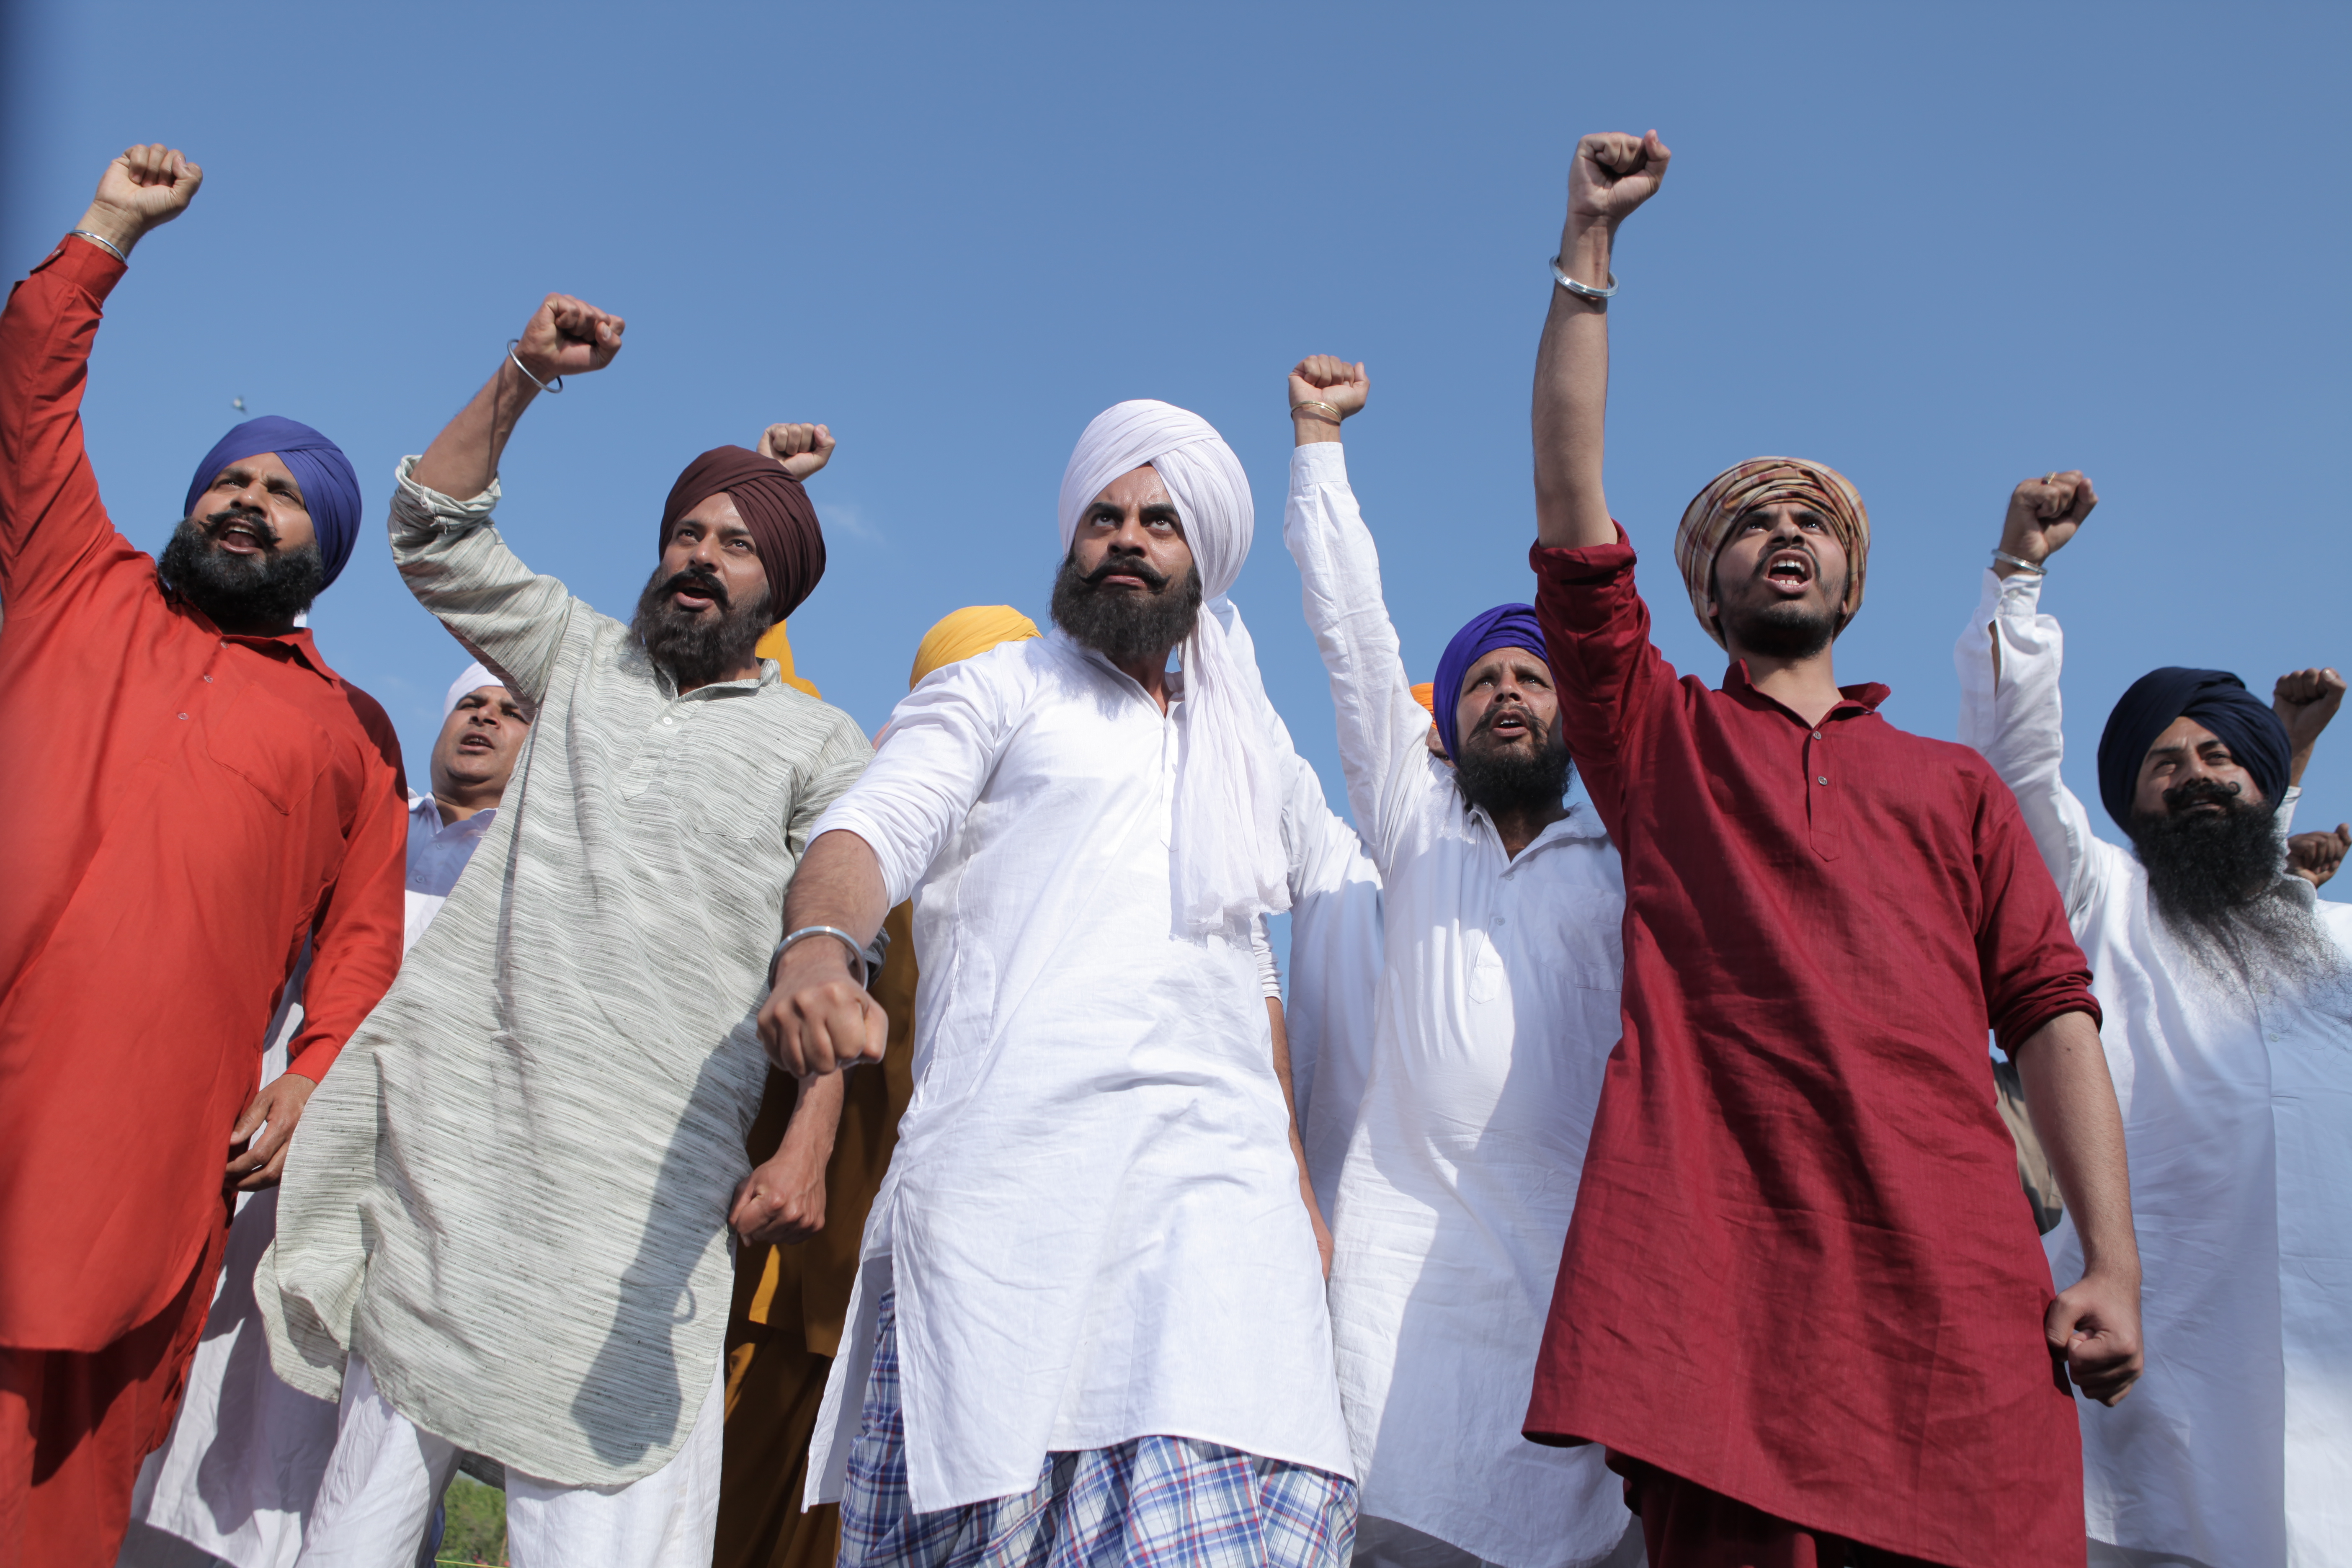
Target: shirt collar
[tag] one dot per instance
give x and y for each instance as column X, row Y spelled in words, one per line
column 296, row 642
column 1863, row 699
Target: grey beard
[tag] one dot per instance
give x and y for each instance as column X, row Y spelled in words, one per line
column 2218, row 884
column 1126, row 626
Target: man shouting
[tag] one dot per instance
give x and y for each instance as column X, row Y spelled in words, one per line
column 1090, row 1322
column 2227, row 990
column 210, row 793
column 1801, row 1302
column 507, row 1229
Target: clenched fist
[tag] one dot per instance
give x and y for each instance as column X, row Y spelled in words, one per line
column 2043, row 515
column 2304, row 700
column 1614, row 172
column 568, row 337
column 803, row 449
column 148, row 187
column 1322, row 378
column 2315, row 857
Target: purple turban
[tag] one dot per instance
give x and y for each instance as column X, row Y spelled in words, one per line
column 773, row 505
column 1504, row 626
column 330, row 491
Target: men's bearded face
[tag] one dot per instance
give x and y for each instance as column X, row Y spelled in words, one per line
column 1129, row 587
column 695, row 628
column 1513, row 757
column 2215, row 873
column 235, row 566
column 1781, row 582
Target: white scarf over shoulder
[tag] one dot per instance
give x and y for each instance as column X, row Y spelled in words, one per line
column 1230, row 865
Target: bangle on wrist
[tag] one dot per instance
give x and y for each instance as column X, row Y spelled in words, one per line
column 847, row 941
column 2022, row 564
column 1582, row 290
column 100, row 240
column 550, row 387
column 1330, row 415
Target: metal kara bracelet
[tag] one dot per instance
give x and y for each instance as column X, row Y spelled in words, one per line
column 846, row 940
column 1582, row 290
column 99, row 239
column 1317, row 402
column 2005, row 559
column 550, row 387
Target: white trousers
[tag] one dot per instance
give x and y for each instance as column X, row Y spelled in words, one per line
column 379, row 1487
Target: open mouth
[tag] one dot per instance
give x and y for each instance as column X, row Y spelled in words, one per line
column 1789, row 569
column 242, row 536
column 1509, row 725
column 473, row 742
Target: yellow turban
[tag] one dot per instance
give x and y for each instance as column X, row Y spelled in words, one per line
column 974, row 629
column 1765, row 482
column 773, row 643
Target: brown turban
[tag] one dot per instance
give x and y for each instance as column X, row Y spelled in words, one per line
column 773, row 507
column 1767, row 481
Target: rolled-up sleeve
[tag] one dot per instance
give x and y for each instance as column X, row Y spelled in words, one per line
column 508, row 617
column 2031, row 968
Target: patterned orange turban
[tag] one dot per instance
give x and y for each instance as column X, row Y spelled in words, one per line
column 1765, row 482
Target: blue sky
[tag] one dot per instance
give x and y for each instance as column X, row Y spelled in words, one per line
column 1938, row 247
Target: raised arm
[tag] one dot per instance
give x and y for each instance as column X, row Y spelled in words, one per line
column 2304, row 700
column 1614, row 172
column 563, row 337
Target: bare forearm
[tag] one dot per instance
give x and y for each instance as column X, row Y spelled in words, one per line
column 2073, row 1103
column 838, row 884
column 464, row 459
column 816, row 1119
column 1571, row 399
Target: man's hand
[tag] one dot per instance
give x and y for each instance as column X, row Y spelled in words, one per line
column 782, row 1200
column 280, row 1104
column 1614, row 172
column 146, row 187
column 2304, row 700
column 2315, row 856
column 817, row 1018
column 2094, row 1324
column 803, row 449
column 1322, row 378
column 2043, row 515
column 568, row 337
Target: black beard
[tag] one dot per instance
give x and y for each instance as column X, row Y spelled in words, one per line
column 1778, row 630
column 2218, row 883
column 1510, row 781
column 696, row 649
column 245, row 593
column 1123, row 626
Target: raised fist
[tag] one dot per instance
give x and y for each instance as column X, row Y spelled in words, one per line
column 568, row 337
column 2315, row 856
column 1614, row 172
column 147, row 187
column 2304, row 700
column 1321, row 378
column 803, row 449
column 2043, row 515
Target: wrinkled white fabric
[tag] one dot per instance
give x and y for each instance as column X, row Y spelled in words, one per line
column 471, row 679
column 1229, row 864
column 2235, row 1446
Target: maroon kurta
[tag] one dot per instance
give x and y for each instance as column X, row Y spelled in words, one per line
column 1800, row 1271
column 189, row 806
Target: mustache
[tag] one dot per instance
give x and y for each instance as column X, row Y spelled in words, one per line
column 701, row 579
column 1153, row 578
column 1518, row 710
column 2199, row 792
column 217, row 523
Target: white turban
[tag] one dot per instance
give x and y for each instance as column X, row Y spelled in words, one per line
column 472, row 679
column 1229, row 861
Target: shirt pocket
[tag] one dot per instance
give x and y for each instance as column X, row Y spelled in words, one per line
column 270, row 744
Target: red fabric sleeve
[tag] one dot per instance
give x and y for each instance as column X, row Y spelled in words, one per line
column 51, row 519
column 355, row 941
column 1597, row 637
column 2032, row 967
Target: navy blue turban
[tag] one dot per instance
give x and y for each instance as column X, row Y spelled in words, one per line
column 1504, row 626
column 2215, row 699
column 330, row 491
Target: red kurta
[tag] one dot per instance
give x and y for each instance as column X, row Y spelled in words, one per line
column 189, row 806
column 1800, row 1271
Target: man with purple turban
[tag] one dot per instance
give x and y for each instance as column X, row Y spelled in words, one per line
column 1089, row 1323
column 506, row 1229
column 2228, row 989
column 1803, row 1302
column 1501, row 901
column 205, row 796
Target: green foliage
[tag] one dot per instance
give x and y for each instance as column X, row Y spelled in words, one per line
column 476, row 1532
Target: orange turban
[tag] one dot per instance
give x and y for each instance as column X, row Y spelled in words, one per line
column 959, row 634
column 1426, row 695
column 1765, row 482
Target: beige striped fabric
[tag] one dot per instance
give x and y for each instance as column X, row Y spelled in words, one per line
column 510, row 1195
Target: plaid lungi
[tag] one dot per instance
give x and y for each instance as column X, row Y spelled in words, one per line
column 1150, row 1502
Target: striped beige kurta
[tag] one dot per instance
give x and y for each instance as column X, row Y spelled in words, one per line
column 511, row 1194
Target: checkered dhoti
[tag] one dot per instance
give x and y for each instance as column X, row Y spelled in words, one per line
column 1151, row 1503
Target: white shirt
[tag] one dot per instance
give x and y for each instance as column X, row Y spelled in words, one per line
column 2235, row 1446
column 436, row 854
column 1497, row 1010
column 1092, row 1219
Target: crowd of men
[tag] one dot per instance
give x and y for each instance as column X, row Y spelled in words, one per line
column 742, row 1141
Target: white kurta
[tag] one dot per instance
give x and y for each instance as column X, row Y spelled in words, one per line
column 240, row 1470
column 2235, row 1448
column 1092, row 1218
column 1497, row 1010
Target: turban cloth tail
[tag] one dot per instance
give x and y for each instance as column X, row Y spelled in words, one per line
column 1504, row 626
column 1767, row 481
column 773, row 505
column 2215, row 699
column 330, row 490
column 1230, row 865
